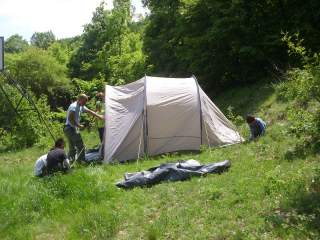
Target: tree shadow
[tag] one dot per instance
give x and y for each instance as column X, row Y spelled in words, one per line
column 299, row 212
column 303, row 150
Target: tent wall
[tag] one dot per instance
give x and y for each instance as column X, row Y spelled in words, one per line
column 217, row 130
column 173, row 115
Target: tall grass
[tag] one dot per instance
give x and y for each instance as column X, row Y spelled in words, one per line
column 271, row 190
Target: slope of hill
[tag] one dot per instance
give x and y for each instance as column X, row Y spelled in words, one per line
column 271, row 190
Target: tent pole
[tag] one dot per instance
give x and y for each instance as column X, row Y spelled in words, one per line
column 199, row 99
column 26, row 94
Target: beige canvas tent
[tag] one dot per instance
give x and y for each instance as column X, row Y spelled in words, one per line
column 158, row 115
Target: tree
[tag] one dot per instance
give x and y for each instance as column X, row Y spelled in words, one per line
column 111, row 47
column 121, row 17
column 43, row 39
column 163, row 35
column 95, row 35
column 39, row 71
column 225, row 43
column 15, row 44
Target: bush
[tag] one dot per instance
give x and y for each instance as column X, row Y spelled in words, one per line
column 303, row 85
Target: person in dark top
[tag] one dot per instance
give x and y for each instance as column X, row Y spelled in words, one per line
column 57, row 158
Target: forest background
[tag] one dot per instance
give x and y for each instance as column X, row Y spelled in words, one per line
column 225, row 44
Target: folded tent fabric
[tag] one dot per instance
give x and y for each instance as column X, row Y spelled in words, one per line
column 170, row 172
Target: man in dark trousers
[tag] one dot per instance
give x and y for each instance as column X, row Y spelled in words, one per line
column 72, row 126
column 57, row 158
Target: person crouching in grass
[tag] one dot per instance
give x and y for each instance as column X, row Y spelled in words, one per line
column 257, row 127
column 57, row 158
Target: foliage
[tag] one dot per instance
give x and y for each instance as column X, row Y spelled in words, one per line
column 303, row 85
column 224, row 43
column 26, row 127
column 15, row 44
column 130, row 65
column 43, row 39
column 234, row 119
column 304, row 123
column 111, row 47
column 61, row 55
column 91, row 89
column 42, row 73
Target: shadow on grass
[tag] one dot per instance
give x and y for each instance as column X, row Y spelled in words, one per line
column 302, row 151
column 250, row 99
column 300, row 211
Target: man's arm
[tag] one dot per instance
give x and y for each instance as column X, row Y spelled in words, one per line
column 101, row 117
column 251, row 131
column 71, row 119
column 66, row 163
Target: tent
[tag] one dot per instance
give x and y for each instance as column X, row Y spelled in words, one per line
column 155, row 115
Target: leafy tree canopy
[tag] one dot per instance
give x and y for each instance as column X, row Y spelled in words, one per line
column 15, row 44
column 43, row 39
column 40, row 71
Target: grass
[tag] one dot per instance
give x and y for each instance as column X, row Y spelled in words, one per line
column 271, row 190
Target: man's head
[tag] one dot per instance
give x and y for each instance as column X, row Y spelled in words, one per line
column 60, row 143
column 82, row 100
column 250, row 119
column 101, row 96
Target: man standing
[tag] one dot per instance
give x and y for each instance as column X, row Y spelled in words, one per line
column 98, row 122
column 72, row 126
column 101, row 100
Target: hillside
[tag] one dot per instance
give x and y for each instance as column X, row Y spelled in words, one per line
column 271, row 190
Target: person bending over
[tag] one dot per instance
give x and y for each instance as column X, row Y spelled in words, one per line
column 57, row 158
column 40, row 168
column 257, row 127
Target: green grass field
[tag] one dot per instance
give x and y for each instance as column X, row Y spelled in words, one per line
column 271, row 190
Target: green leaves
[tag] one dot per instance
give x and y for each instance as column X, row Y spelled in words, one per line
column 15, row 44
column 111, row 47
column 37, row 69
column 43, row 39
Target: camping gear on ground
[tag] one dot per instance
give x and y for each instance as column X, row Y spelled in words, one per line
column 92, row 155
column 155, row 115
column 170, row 172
